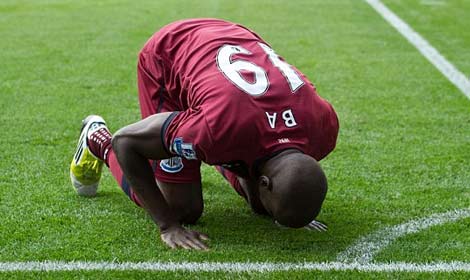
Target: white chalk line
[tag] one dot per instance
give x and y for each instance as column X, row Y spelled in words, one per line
column 51, row 266
column 365, row 248
column 424, row 47
column 357, row 257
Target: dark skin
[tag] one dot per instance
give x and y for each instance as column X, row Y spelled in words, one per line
column 166, row 204
column 255, row 189
column 171, row 205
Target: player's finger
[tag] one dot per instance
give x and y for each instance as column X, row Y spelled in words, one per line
column 202, row 236
column 196, row 239
column 311, row 226
column 170, row 243
column 182, row 241
column 316, row 228
column 316, row 225
column 193, row 243
column 196, row 244
column 185, row 244
column 321, row 226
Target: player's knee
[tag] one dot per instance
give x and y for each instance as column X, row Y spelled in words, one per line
column 119, row 142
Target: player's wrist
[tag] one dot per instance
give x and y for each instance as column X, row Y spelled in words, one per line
column 168, row 226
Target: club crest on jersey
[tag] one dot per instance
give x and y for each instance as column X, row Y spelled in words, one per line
column 172, row 165
column 183, row 149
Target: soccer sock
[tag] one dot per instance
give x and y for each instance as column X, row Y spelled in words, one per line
column 116, row 170
column 99, row 142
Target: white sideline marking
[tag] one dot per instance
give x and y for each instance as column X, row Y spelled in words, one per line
column 365, row 248
column 357, row 257
column 49, row 266
column 445, row 67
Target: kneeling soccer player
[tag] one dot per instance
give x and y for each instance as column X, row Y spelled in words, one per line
column 214, row 91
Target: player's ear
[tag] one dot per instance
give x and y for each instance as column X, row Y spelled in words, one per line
column 265, row 183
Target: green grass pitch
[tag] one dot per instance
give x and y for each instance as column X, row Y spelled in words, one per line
column 402, row 153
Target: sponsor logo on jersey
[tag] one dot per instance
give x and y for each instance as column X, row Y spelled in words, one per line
column 183, row 149
column 172, row 165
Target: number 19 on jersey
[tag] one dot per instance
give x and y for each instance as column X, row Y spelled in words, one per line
column 232, row 70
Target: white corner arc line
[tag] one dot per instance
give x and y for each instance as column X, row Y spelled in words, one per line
column 424, row 47
column 231, row 267
column 365, row 248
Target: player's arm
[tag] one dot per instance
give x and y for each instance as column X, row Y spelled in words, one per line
column 134, row 145
column 250, row 186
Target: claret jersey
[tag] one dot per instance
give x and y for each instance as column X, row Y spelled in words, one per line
column 238, row 102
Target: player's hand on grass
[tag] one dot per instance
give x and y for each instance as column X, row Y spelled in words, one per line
column 313, row 225
column 316, row 225
column 180, row 237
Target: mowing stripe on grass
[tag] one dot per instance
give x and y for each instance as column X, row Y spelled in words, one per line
column 365, row 248
column 433, row 2
column 49, row 266
column 423, row 46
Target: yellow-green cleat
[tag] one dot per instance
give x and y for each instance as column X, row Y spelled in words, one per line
column 86, row 168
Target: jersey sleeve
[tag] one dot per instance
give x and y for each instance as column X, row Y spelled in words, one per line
column 186, row 134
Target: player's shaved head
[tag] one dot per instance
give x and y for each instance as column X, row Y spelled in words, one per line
column 292, row 188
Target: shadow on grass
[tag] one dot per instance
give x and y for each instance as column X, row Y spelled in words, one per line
column 233, row 228
column 236, row 233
